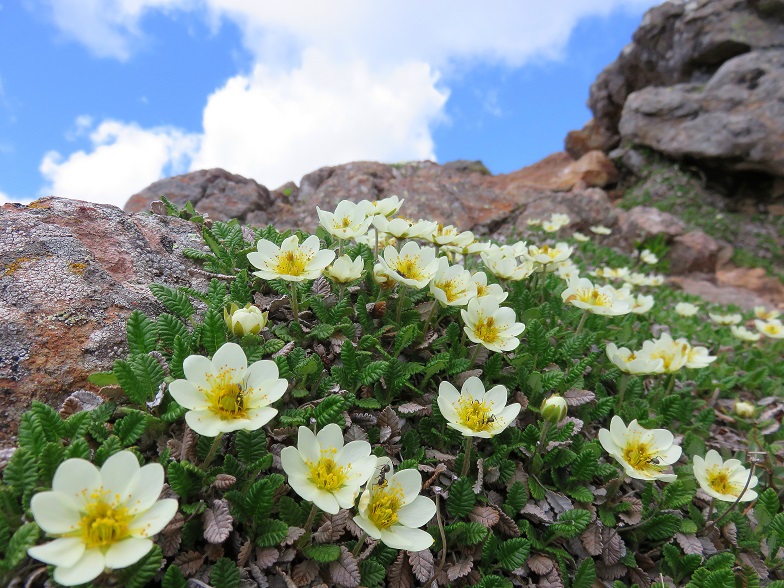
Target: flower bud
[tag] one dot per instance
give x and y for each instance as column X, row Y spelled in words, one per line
column 554, row 409
column 745, row 409
column 242, row 321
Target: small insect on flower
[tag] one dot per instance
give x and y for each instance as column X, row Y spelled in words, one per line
column 643, row 453
column 724, row 480
column 474, row 412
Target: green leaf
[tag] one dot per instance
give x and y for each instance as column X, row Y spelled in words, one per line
column 51, row 456
column 169, row 328
column 24, row 538
column 250, row 445
column 103, row 379
column 291, row 512
column 516, row 497
column 677, row 494
column 571, row 523
column 372, row 573
column 405, row 337
column 140, row 377
column 493, row 581
column 77, row 448
column 140, row 574
column 173, row 578
column 213, row 331
column 130, row 427
column 142, row 333
column 109, row 447
column 175, row 301
column 330, row 410
column 372, row 373
column 662, row 527
column 322, row 553
column 21, row 472
column 272, row 533
column 513, row 553
column 182, row 480
column 768, row 502
column 181, row 350
column 461, row 498
column 585, row 575
column 225, row 574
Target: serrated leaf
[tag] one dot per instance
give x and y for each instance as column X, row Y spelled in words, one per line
column 272, row 533
column 330, row 410
column 139, row 377
column 372, row 373
column 461, row 498
column 217, row 522
column 225, row 574
column 130, row 427
column 141, row 332
column 22, row 539
column 173, row 578
column 141, row 573
column 513, row 553
column 322, row 553
column 344, row 571
column 175, row 301
column 585, row 575
column 213, row 331
column 677, row 494
column 571, row 523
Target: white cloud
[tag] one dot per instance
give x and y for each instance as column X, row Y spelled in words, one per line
column 4, row 198
column 124, row 159
column 276, row 126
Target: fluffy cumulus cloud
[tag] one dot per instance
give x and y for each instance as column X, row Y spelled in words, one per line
column 331, row 82
column 123, row 159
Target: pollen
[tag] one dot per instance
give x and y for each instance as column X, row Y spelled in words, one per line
column 326, row 474
column 227, row 399
column 591, row 296
column 384, row 505
column 719, row 480
column 103, row 523
column 452, row 291
column 487, row 330
column 409, row 267
column 474, row 414
column 291, row 263
column 640, row 456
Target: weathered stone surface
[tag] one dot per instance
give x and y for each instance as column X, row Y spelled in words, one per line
column 644, row 222
column 585, row 208
column 698, row 285
column 694, row 251
column 682, row 42
column 755, row 280
column 591, row 137
column 592, row 170
column 736, row 120
column 72, row 272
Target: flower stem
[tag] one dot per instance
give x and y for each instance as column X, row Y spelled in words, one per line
column 340, row 247
column 428, row 319
column 401, row 300
column 308, row 526
column 441, row 532
column 582, row 322
column 213, row 449
column 624, row 383
column 710, row 511
column 542, row 438
column 294, row 302
column 467, row 457
column 474, row 355
column 360, row 544
column 375, row 251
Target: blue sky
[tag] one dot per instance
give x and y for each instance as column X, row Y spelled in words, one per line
column 99, row 98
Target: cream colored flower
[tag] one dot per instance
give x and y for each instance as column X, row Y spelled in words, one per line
column 642, row 304
column 474, row 412
column 560, row 218
column 246, row 320
column 504, row 265
column 225, row 394
column 647, row 256
column 685, row 309
column 744, row 409
column 369, row 239
column 291, row 261
column 449, row 235
column 391, row 509
column 578, row 236
column 654, row 280
column 598, row 300
column 600, row 230
column 413, row 265
column 611, row 272
column 554, row 409
column 326, row 472
column 102, row 519
column 385, row 207
column 772, row 328
column 452, row 285
column 674, row 354
column 487, row 324
column 551, row 227
column 764, row 314
column 567, row 270
column 347, row 222
column 533, row 222
column 545, row 257
column 474, row 246
column 643, row 453
column 742, row 333
column 636, row 279
column 381, row 276
column 725, row 319
column 403, row 228
column 485, row 289
column 696, row 356
column 724, row 480
column 631, row 363
column 344, row 270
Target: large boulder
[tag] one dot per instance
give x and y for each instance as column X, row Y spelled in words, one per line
column 73, row 273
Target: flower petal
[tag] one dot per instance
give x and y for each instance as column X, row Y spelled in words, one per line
column 77, row 478
column 417, row 513
column 496, row 397
column 400, row 537
column 65, row 551
column 618, row 431
column 308, row 445
column 474, row 389
column 55, row 513
column 186, row 394
column 368, row 527
column 230, row 356
column 148, row 489
column 126, row 552
column 330, row 437
column 204, row 422
column 410, row 481
column 261, row 371
column 196, row 369
column 258, row 418
column 154, row 519
column 88, row 568
column 292, row 462
column 120, row 475
column 352, row 452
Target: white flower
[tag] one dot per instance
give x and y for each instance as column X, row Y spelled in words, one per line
column 631, row 363
column 654, row 280
column 611, row 272
column 386, row 207
column 225, row 394
column 744, row 409
column 533, row 222
column 685, row 309
column 291, row 261
column 504, row 265
column 764, row 314
column 474, row 246
column 474, row 412
column 636, row 279
column 449, row 235
column 348, row 221
column 643, row 453
column 452, row 285
column 495, row 328
column 381, row 276
column 697, row 357
column 413, row 266
column 559, row 218
column 598, row 300
column 567, row 270
column 647, row 256
column 102, row 519
column 326, row 472
column 485, row 289
column 725, row 319
column 343, row 270
column 369, row 239
column 545, row 257
column 391, row 509
column 772, row 328
column 551, row 227
column 554, row 409
column 642, row 304
column 724, row 480
column 578, row 236
column 742, row 333
column 242, row 321
column 600, row 230
column 403, row 228
column 674, row 354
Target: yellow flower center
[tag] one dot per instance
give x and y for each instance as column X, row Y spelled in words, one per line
column 408, row 267
column 486, row 329
column 226, row 398
column 474, row 414
column 345, row 223
column 591, row 296
column 772, row 329
column 291, row 263
column 481, row 290
column 103, row 524
column 452, row 290
column 640, row 456
column 385, row 502
column 326, row 474
column 719, row 480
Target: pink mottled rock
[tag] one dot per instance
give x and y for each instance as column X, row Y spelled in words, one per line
column 695, row 251
column 643, row 222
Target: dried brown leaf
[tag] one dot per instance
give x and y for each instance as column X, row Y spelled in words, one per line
column 639, row 577
column 613, row 546
column 592, row 539
column 540, row 564
column 421, row 564
column 610, row 572
column 506, row 524
column 535, row 513
column 345, row 571
column 224, row 481
column 170, row 542
column 356, row 433
column 287, row 348
column 188, row 448
column 400, row 574
column 217, row 522
column 292, row 535
column 480, row 474
column 305, row 572
column 460, row 569
column 754, row 561
column 258, row 576
column 689, row 543
column 486, row 516
column 189, row 562
column 576, row 397
column 266, row 557
column 559, row 502
column 69, row 406
column 213, row 552
column 730, row 533
column 244, row 553
column 414, row 408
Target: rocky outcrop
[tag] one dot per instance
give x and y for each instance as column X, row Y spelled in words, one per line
column 72, row 272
